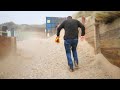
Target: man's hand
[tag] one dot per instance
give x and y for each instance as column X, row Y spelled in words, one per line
column 82, row 38
column 57, row 40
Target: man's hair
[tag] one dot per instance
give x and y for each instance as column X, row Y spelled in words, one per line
column 69, row 17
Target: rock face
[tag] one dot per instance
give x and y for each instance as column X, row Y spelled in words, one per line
column 103, row 33
column 110, row 41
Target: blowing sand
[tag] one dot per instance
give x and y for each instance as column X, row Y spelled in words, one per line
column 38, row 58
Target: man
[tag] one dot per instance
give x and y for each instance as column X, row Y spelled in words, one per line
column 71, row 39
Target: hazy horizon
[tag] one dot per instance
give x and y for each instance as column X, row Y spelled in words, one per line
column 31, row 17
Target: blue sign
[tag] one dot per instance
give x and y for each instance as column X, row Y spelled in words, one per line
column 52, row 22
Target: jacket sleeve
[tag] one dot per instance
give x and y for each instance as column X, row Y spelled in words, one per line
column 82, row 28
column 59, row 28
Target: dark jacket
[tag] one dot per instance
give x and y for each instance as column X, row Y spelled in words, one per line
column 71, row 29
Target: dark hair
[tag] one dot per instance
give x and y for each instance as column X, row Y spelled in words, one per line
column 69, row 17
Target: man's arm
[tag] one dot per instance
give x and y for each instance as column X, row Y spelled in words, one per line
column 59, row 29
column 82, row 28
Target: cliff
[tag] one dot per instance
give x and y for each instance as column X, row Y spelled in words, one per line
column 103, row 32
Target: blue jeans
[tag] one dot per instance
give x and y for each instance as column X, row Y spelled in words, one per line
column 70, row 45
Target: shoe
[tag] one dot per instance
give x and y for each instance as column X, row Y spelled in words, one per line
column 71, row 69
column 76, row 65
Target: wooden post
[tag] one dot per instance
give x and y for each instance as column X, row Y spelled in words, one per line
column 97, row 38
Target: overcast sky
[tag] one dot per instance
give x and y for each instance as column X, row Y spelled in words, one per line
column 31, row 17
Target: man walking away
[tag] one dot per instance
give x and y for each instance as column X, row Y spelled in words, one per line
column 71, row 39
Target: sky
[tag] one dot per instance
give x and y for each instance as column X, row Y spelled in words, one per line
column 31, row 17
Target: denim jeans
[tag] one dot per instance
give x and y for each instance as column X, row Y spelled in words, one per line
column 70, row 46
